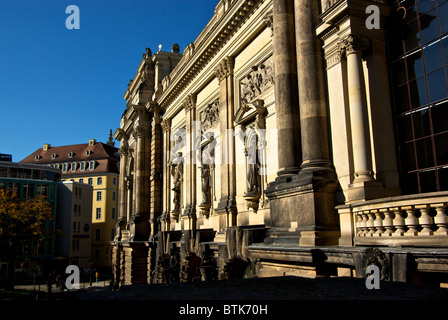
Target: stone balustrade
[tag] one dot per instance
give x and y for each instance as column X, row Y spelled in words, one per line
column 415, row 220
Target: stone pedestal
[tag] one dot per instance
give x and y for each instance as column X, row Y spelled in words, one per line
column 303, row 211
column 135, row 263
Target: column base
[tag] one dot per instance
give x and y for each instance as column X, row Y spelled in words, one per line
column 139, row 227
column 303, row 209
column 135, row 263
column 365, row 190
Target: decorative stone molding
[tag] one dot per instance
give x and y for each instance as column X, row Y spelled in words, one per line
column 224, row 68
column 259, row 80
column 140, row 131
column 189, row 102
column 210, row 115
column 123, row 151
column 166, row 125
column 327, row 4
column 352, row 44
column 269, row 21
column 333, row 58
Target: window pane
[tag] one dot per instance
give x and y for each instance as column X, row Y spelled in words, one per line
column 443, row 17
column 421, row 123
column 437, row 85
column 445, row 48
column 443, row 178
column 439, row 115
column 425, row 5
column 411, row 34
column 415, row 64
column 410, row 183
column 399, row 72
column 428, row 181
column 407, row 158
column 429, row 25
column 417, row 90
column 402, row 99
column 441, row 144
column 405, row 128
column 425, row 156
column 433, row 56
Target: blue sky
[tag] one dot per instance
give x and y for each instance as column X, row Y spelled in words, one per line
column 63, row 86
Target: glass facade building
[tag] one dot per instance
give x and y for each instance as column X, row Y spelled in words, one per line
column 418, row 52
column 30, row 181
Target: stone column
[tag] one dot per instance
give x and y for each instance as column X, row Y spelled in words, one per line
column 189, row 214
column 313, row 107
column 286, row 88
column 166, row 127
column 122, row 188
column 227, row 203
column 302, row 206
column 359, row 121
column 156, row 171
column 139, row 225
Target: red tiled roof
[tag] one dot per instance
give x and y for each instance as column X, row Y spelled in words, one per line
column 105, row 156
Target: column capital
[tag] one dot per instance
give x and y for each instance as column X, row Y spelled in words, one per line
column 189, row 102
column 123, row 151
column 224, row 68
column 166, row 125
column 140, row 130
column 353, row 44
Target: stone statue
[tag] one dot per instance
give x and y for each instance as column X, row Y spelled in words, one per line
column 176, row 173
column 205, row 178
column 253, row 165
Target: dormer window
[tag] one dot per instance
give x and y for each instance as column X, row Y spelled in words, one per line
column 83, row 166
column 74, row 166
column 64, row 167
column 88, row 152
column 91, row 165
column 53, row 156
column 70, row 154
column 37, row 157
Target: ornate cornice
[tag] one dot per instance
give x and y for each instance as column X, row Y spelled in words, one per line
column 205, row 47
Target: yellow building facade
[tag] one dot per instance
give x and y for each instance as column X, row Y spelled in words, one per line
column 97, row 164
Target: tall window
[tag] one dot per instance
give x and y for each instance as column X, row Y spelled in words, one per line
column 98, row 196
column 98, row 213
column 99, row 181
column 418, row 51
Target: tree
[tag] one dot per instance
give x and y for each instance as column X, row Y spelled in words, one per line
column 21, row 222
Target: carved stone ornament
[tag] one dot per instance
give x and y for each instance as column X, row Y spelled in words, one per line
column 210, row 115
column 352, row 44
column 260, row 79
column 189, row 102
column 224, row 68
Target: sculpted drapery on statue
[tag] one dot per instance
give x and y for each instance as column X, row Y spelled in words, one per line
column 176, row 173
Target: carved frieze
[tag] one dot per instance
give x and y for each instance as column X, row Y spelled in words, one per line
column 259, row 80
column 210, row 115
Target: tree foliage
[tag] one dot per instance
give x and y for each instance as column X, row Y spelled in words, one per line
column 22, row 221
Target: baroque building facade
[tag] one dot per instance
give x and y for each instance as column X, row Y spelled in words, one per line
column 280, row 142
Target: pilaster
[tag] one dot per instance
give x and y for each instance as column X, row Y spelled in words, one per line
column 138, row 224
column 227, row 203
column 189, row 213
